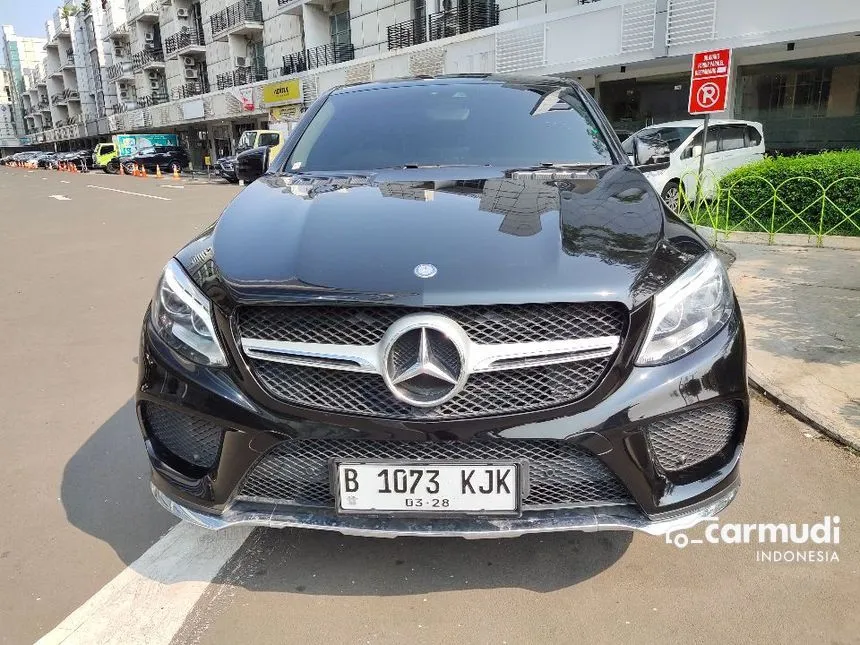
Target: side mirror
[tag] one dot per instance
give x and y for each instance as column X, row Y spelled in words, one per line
column 696, row 152
column 252, row 164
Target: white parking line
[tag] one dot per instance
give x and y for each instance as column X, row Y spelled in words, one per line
column 128, row 192
column 61, row 198
column 149, row 601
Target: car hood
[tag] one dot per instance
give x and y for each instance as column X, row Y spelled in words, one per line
column 493, row 236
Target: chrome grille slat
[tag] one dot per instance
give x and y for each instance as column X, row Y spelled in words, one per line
column 485, row 394
column 561, row 475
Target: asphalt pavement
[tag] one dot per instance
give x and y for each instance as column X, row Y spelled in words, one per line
column 84, row 547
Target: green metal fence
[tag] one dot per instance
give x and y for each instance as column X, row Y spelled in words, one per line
column 755, row 204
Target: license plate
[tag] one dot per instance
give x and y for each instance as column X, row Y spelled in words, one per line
column 427, row 487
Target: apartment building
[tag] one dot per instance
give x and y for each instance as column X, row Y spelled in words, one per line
column 22, row 55
column 8, row 133
column 210, row 69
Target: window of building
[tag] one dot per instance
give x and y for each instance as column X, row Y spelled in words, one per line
column 340, row 28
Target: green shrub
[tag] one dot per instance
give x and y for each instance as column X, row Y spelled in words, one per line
column 803, row 185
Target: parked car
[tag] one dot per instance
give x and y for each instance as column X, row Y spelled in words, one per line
column 46, row 159
column 164, row 157
column 410, row 325
column 675, row 148
column 250, row 139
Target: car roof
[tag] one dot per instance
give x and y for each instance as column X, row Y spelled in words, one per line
column 545, row 82
column 695, row 123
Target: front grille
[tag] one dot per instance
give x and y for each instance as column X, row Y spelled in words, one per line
column 689, row 438
column 484, row 324
column 190, row 438
column 485, row 393
column 560, row 474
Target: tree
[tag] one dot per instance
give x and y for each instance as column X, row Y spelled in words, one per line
column 69, row 9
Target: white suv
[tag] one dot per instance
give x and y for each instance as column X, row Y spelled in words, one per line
column 731, row 144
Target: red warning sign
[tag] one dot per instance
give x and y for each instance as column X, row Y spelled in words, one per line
column 709, row 82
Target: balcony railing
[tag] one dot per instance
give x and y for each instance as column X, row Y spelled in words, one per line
column 44, row 105
column 240, row 76
column 149, row 11
column 182, row 39
column 153, row 99
column 469, row 16
column 119, row 70
column 317, row 57
column 141, row 59
column 407, row 33
column 236, row 14
column 68, row 60
column 57, row 98
column 71, row 95
column 190, row 89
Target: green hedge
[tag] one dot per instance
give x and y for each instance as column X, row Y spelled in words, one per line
column 802, row 184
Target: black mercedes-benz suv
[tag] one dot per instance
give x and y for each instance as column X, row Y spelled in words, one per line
column 449, row 307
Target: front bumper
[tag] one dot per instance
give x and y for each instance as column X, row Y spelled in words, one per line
column 610, row 423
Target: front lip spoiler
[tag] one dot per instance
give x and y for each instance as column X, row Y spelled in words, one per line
column 611, row 518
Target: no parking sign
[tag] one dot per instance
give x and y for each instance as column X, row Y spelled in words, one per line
column 709, row 83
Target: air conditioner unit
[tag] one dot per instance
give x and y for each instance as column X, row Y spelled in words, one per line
column 240, row 61
column 153, row 76
column 149, row 37
column 123, row 86
column 191, row 73
column 119, row 52
column 189, row 61
column 181, row 13
column 123, row 94
column 154, row 84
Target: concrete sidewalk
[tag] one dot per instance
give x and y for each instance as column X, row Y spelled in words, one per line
column 801, row 307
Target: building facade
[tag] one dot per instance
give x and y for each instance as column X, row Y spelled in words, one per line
column 211, row 69
column 22, row 55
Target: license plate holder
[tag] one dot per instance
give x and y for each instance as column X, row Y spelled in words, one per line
column 512, row 501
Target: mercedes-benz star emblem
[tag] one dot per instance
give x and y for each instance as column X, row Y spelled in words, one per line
column 425, row 271
column 424, row 358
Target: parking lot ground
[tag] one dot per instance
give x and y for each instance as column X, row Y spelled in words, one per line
column 80, row 263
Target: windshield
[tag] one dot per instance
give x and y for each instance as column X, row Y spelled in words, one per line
column 450, row 124
column 246, row 142
column 669, row 137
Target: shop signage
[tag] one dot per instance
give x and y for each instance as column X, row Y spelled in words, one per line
column 283, row 92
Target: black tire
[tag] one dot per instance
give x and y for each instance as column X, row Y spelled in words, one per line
column 112, row 167
column 672, row 195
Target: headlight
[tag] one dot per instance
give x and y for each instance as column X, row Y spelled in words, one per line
column 182, row 316
column 688, row 312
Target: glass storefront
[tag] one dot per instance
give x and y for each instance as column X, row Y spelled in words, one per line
column 806, row 105
column 634, row 103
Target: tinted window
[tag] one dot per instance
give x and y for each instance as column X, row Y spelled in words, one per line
column 713, row 140
column 146, row 151
column 269, row 139
column 754, row 136
column 670, row 137
column 449, row 124
column 732, row 137
column 107, row 149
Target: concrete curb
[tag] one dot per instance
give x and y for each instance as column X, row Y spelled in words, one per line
column 780, row 239
column 770, row 390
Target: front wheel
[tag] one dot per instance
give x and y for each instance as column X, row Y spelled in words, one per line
column 112, row 167
column 672, row 195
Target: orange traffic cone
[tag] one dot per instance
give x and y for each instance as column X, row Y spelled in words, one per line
column 143, row 172
column 175, row 171
column 134, row 170
column 121, row 170
column 158, row 172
